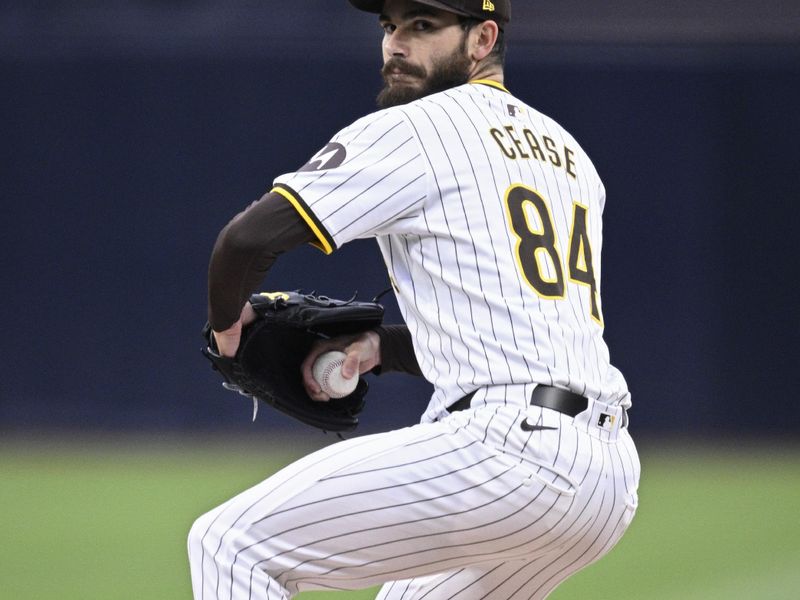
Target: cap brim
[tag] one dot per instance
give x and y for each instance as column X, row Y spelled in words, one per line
column 373, row 6
column 376, row 6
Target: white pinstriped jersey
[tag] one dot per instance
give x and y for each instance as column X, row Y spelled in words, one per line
column 488, row 215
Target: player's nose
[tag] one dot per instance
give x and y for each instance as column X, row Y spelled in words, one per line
column 394, row 46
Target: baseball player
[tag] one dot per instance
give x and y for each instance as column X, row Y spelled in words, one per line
column 488, row 216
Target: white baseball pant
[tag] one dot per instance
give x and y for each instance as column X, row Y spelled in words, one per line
column 469, row 507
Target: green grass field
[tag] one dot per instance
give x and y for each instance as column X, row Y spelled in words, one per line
column 107, row 519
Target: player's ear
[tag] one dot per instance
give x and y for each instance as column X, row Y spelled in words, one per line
column 484, row 37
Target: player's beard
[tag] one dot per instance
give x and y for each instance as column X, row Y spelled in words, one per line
column 448, row 72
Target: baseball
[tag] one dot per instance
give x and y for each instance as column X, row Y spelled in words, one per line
column 327, row 372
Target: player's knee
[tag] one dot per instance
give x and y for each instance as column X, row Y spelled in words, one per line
column 201, row 538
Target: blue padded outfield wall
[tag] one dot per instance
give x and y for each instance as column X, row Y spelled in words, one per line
column 122, row 158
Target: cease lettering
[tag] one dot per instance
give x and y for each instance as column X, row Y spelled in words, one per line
column 526, row 145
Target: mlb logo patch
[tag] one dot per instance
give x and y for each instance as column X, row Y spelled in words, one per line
column 606, row 421
column 514, row 111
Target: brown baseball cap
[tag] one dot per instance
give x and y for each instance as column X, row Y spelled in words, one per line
column 488, row 10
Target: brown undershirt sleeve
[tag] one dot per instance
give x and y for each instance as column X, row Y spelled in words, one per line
column 397, row 351
column 246, row 249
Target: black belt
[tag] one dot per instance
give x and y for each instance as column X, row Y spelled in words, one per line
column 545, row 396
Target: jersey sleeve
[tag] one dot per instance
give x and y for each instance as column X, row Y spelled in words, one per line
column 369, row 180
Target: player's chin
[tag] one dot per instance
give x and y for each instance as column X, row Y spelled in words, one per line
column 398, row 93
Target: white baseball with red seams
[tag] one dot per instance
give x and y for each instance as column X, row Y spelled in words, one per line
column 327, row 371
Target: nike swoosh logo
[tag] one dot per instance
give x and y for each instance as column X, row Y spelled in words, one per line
column 528, row 427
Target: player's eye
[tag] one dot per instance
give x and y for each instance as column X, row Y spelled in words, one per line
column 420, row 25
column 388, row 28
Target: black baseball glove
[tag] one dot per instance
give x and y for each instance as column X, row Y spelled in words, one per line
column 272, row 348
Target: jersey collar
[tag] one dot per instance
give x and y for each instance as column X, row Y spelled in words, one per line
column 491, row 83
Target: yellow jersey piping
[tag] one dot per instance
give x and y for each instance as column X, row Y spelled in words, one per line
column 491, row 83
column 325, row 243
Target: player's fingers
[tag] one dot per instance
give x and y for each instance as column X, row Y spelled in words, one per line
column 228, row 341
column 317, row 348
column 365, row 349
column 311, row 385
column 313, row 389
column 351, row 364
column 248, row 314
column 319, row 397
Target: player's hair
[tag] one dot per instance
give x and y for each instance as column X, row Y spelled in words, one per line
column 498, row 54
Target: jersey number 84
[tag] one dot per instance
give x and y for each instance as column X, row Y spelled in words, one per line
column 537, row 250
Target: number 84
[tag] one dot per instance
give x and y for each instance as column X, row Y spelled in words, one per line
column 536, row 244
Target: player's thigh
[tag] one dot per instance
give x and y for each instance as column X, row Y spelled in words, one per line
column 397, row 505
column 531, row 578
column 268, row 526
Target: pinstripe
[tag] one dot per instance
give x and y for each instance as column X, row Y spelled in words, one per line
column 443, row 550
column 586, row 557
column 600, row 531
column 393, row 524
column 202, row 547
column 442, row 582
column 488, row 425
column 219, row 544
column 461, row 530
column 355, row 174
column 525, row 566
column 505, row 542
column 475, row 581
column 554, row 304
column 598, row 245
column 450, row 237
column 594, row 515
column 376, row 139
column 352, row 133
column 415, row 325
column 573, row 331
column 378, row 489
column 588, row 348
column 504, row 537
column 584, row 310
column 509, row 316
column 438, row 261
column 531, row 330
column 230, row 528
column 421, row 536
column 392, row 215
column 378, row 182
column 551, row 343
column 278, row 512
column 630, row 482
column 399, row 465
column 442, row 124
column 482, row 205
column 350, row 139
column 566, row 214
column 365, row 530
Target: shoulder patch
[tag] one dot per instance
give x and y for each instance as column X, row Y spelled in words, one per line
column 330, row 157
